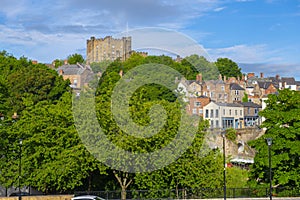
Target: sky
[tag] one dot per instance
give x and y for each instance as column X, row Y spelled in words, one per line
column 259, row 35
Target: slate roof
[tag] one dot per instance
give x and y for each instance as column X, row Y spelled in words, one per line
column 250, row 104
column 71, row 69
column 235, row 86
column 229, row 104
column 289, row 80
column 264, row 85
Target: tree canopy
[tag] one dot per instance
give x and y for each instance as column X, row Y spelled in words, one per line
column 283, row 126
column 228, row 68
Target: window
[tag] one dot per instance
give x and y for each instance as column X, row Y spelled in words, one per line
column 223, row 111
column 222, row 87
column 194, row 111
column 208, row 87
column 211, row 113
column 236, row 92
column 248, row 110
column 201, row 111
column 220, row 96
column 229, row 111
column 225, row 96
column 211, row 124
column 217, row 123
column 256, row 111
column 241, row 112
column 206, row 113
column 217, row 113
column 235, row 112
column 212, row 94
column 197, row 103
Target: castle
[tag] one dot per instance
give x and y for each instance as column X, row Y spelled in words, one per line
column 107, row 48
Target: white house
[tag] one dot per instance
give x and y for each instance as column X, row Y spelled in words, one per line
column 224, row 115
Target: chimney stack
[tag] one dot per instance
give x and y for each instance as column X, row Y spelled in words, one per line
column 261, row 75
column 199, row 77
column 220, row 77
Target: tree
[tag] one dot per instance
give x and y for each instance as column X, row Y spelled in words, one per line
column 228, row 68
column 58, row 63
column 283, row 126
column 75, row 58
column 245, row 98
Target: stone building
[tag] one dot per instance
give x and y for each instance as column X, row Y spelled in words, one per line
column 79, row 75
column 196, row 104
column 107, row 48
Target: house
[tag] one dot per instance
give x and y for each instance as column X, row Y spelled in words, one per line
column 289, row 83
column 251, row 117
column 236, row 93
column 224, row 115
column 79, row 75
column 196, row 104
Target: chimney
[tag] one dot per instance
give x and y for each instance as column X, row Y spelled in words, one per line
column 61, row 72
column 66, row 62
column 199, row 77
column 261, row 75
column 220, row 77
column 249, row 75
column 224, row 78
column 121, row 73
column 277, row 77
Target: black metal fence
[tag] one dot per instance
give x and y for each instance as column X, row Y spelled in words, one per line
column 203, row 193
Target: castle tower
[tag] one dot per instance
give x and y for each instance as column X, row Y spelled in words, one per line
column 107, row 48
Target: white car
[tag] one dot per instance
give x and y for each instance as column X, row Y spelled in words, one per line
column 87, row 197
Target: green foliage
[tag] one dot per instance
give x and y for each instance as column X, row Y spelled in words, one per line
column 231, row 134
column 53, row 157
column 195, row 64
column 58, row 63
column 228, row 68
column 75, row 58
column 236, row 177
column 100, row 66
column 245, row 98
column 283, row 126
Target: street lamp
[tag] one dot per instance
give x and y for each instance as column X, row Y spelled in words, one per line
column 15, row 117
column 269, row 142
column 20, row 168
column 224, row 163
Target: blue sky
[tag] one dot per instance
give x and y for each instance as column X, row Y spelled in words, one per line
column 260, row 35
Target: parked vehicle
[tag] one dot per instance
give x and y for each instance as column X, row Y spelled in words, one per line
column 87, row 197
column 17, row 194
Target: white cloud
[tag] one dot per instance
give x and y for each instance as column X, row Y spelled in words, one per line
column 246, row 53
column 219, row 9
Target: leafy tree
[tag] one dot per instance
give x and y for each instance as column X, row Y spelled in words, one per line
column 195, row 64
column 75, row 58
column 231, row 134
column 245, row 98
column 283, row 126
column 228, row 68
column 58, row 63
column 236, row 177
column 100, row 66
column 36, row 83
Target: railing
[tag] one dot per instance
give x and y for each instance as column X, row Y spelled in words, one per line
column 203, row 193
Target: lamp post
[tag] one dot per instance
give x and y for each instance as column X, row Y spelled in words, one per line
column 269, row 142
column 15, row 117
column 224, row 163
column 20, row 168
